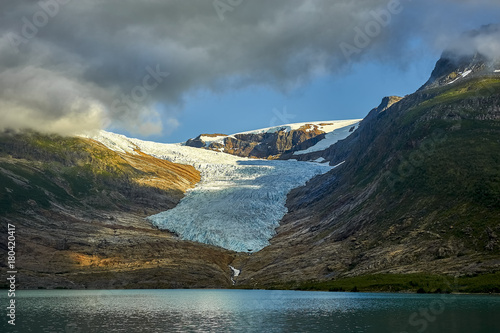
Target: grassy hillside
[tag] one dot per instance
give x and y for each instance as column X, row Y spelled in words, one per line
column 441, row 167
column 39, row 169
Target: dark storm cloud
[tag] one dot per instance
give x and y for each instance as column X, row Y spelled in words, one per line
column 69, row 65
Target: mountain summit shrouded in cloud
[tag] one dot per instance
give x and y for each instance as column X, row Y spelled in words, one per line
column 68, row 66
column 485, row 41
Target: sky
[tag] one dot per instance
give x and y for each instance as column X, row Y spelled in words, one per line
column 168, row 70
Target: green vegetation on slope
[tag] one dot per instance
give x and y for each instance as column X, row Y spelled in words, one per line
column 441, row 165
column 37, row 169
column 419, row 283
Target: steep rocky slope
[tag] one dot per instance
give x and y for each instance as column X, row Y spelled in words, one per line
column 79, row 212
column 418, row 192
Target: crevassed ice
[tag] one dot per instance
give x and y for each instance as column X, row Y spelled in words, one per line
column 237, row 204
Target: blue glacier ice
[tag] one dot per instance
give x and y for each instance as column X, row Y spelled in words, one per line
column 237, row 204
column 240, row 209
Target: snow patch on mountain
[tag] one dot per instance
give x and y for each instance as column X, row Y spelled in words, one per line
column 325, row 126
column 467, row 72
column 461, row 75
column 339, row 133
column 239, row 201
column 209, row 139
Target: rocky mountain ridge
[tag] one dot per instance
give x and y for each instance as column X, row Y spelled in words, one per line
column 279, row 142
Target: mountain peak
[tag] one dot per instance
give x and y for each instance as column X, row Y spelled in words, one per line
column 475, row 53
column 387, row 102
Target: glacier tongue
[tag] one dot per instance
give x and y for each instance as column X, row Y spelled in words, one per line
column 237, row 204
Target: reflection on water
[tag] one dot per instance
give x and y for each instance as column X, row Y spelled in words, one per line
column 72, row 311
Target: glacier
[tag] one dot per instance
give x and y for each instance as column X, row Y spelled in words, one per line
column 238, row 203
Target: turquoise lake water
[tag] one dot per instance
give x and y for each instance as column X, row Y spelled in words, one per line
column 73, row 311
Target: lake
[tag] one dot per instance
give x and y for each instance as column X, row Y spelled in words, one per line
column 75, row 311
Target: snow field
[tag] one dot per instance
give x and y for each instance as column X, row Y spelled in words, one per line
column 325, row 126
column 337, row 134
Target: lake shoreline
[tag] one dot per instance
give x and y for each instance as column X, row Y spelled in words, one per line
column 416, row 283
column 258, row 289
